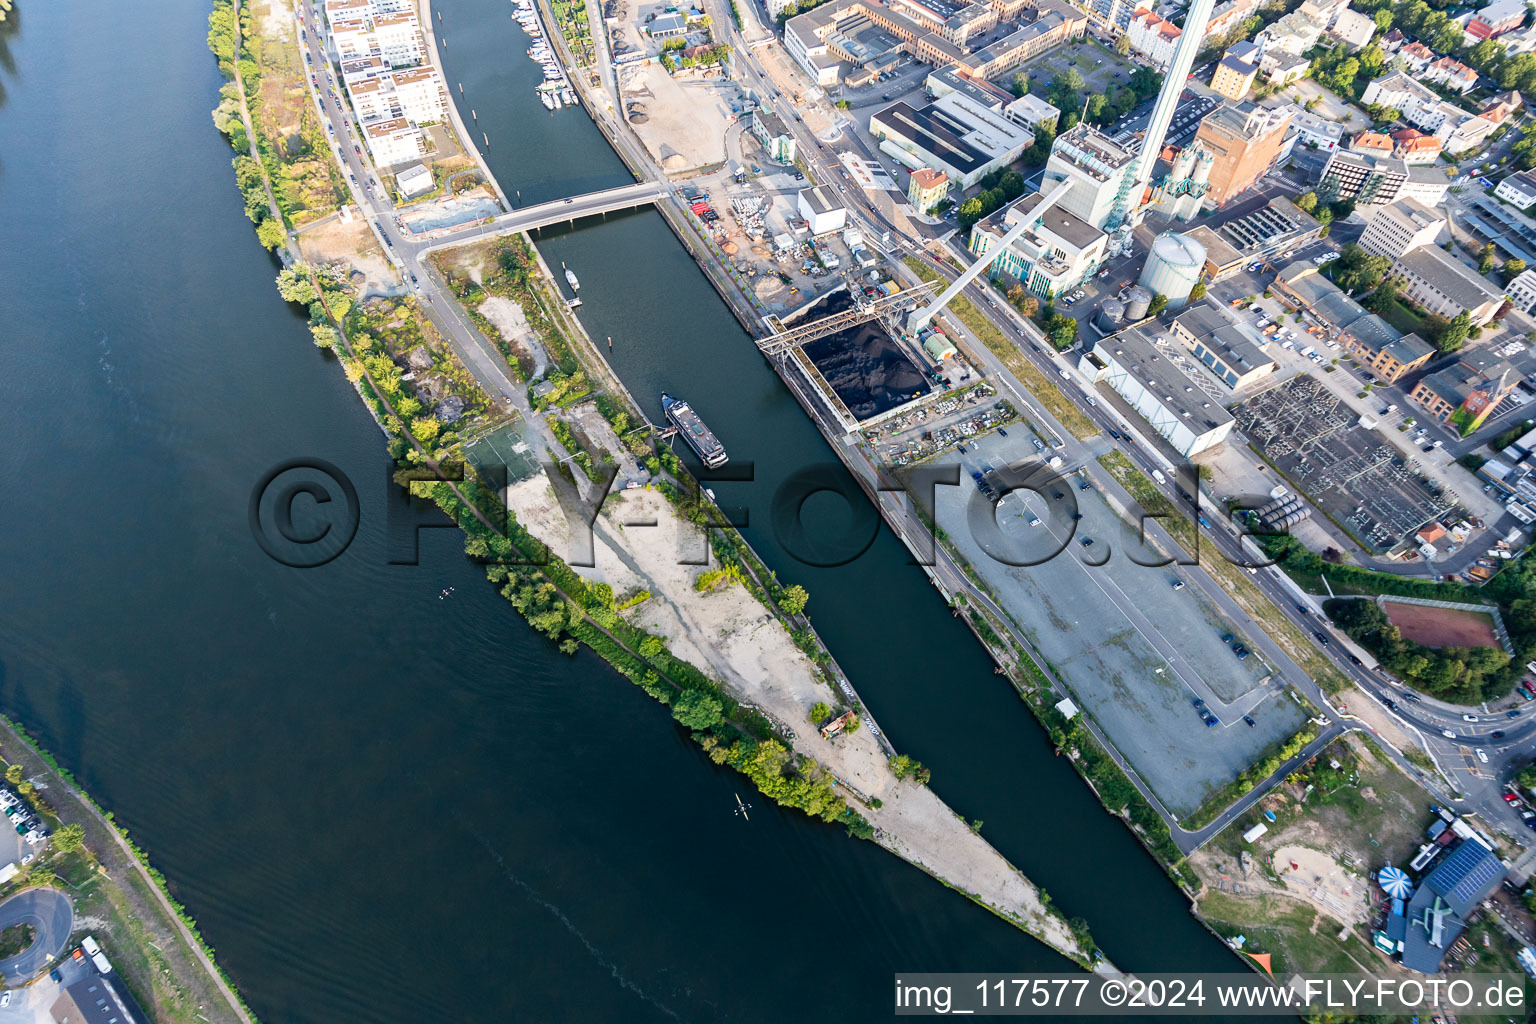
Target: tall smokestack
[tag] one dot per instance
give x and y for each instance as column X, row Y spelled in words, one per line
column 1193, row 34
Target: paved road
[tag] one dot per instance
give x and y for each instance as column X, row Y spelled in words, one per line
column 52, row 916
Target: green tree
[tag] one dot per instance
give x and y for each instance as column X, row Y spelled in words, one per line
column 42, row 877
column 1062, row 331
column 14, row 774
column 294, row 286
column 1306, row 202
column 820, row 713
column 1485, row 259
column 651, row 646
column 1382, row 299
column 1123, row 44
column 794, row 599
column 270, row 233
column 1071, row 80
column 1512, row 268
column 1197, row 292
column 698, row 710
column 1159, row 303
column 69, row 838
column 1383, row 19
column 970, row 212
column 1454, row 336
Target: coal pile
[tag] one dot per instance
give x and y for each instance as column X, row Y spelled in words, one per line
column 866, row 369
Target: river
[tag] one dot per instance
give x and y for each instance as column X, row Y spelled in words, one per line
column 380, row 805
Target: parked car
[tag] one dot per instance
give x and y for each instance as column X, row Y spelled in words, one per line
column 1248, row 719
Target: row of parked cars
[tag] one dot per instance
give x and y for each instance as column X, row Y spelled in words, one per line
column 25, row 820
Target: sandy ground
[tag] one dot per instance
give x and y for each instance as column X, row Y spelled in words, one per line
column 735, row 639
column 686, row 120
column 352, row 241
column 513, row 326
column 1441, row 627
column 1323, row 882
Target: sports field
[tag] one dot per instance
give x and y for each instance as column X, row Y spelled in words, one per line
column 1442, row 627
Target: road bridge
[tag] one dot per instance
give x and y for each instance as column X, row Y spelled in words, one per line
column 527, row 218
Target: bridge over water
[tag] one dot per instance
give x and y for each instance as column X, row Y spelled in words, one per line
column 625, row 197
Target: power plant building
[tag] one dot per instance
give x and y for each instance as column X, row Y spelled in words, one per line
column 1244, row 141
column 1057, row 254
column 1099, row 169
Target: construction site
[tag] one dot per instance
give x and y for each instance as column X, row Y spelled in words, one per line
column 1342, row 465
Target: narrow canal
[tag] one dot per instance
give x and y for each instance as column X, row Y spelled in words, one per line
column 924, row 675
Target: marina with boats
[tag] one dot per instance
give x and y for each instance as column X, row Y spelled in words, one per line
column 555, row 91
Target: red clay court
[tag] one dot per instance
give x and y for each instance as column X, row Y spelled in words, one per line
column 1441, row 627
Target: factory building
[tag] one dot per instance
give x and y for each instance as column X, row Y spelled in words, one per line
column 1244, row 141
column 821, row 210
column 1059, row 253
column 1149, row 378
column 1232, row 352
column 953, row 134
column 1099, row 169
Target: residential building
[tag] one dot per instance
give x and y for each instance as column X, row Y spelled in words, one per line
column 1233, row 77
column 1494, row 20
column 1412, row 147
column 394, row 141
column 1295, row 33
column 1032, row 111
column 1098, row 169
column 1436, row 916
column 1313, row 131
column 1416, row 57
column 1154, row 37
column 1114, row 14
column 1500, row 107
column 1387, row 357
column 1519, row 189
column 1149, row 378
column 774, row 135
column 1451, row 73
column 1467, row 392
column 1281, row 67
column 1393, row 41
column 1244, row 141
column 1522, row 291
column 1399, row 89
column 1060, row 251
column 414, row 180
column 1518, row 41
column 1364, row 178
column 1400, row 228
column 953, row 134
column 1353, row 28
column 376, row 28
column 1374, row 143
column 927, row 188
column 1442, row 284
column 1228, row 14
column 821, row 210
column 417, row 94
column 1233, row 352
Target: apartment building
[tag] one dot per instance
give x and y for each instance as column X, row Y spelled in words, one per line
column 1387, row 357
column 1522, row 291
column 1154, row 37
column 1451, row 73
column 1233, row 77
column 927, row 188
column 394, row 141
column 1519, row 189
column 1400, row 228
column 1413, row 147
column 1494, row 20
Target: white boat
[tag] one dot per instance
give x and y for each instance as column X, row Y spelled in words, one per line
column 549, row 103
column 568, row 96
column 570, row 278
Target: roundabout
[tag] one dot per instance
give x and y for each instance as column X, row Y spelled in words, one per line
column 50, row 915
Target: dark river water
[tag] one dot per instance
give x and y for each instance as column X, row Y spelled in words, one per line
column 382, row 806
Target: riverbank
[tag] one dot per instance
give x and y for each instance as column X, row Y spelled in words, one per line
column 152, row 942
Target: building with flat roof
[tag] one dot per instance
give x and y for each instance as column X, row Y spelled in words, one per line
column 414, row 180
column 1057, row 254
column 944, row 81
column 1341, row 318
column 1233, row 352
column 1522, row 291
column 1273, row 228
column 774, row 135
column 953, row 134
column 1400, row 228
column 1149, row 378
column 1222, row 258
column 1519, row 189
column 1032, row 111
column 822, row 211
column 394, row 141
column 1466, row 393
column 1234, row 77
column 1494, row 20
column 1098, row 168
column 1353, row 28
column 1364, row 178
column 1245, row 142
column 1444, row 285
column 927, row 188
column 1316, row 132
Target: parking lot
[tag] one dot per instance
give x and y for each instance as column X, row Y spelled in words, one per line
column 1102, row 69
column 1135, row 651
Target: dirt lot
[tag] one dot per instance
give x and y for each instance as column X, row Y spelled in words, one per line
column 685, row 121
column 352, row 242
column 1441, row 627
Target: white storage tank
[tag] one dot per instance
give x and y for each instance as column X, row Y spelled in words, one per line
column 1136, row 304
column 1111, row 315
column 1174, row 265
